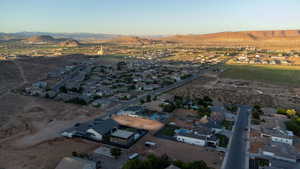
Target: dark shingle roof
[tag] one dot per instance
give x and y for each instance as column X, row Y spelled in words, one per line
column 103, row 126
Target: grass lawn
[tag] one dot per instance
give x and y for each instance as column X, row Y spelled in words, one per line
column 276, row 74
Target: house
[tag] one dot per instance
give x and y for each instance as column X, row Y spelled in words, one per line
column 272, row 62
column 121, row 65
column 278, row 135
column 101, row 103
column 76, row 163
column 40, row 84
column 148, row 87
column 215, row 126
column 200, row 136
column 51, row 94
column 99, row 128
column 285, row 62
column 95, row 130
column 172, row 167
column 132, row 111
column 122, row 137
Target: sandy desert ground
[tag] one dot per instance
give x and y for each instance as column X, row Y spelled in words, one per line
column 234, row 91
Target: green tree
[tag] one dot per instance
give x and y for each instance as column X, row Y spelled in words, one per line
column 232, row 108
column 197, row 165
column 207, row 99
column 257, row 112
column 115, row 152
column 293, row 125
column 155, row 162
column 133, row 164
column 63, row 89
column 148, row 98
column 168, row 107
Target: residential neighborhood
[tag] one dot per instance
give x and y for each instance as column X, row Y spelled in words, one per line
column 143, row 119
column 101, row 86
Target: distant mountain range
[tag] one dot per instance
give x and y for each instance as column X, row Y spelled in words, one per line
column 77, row 36
column 281, row 39
column 244, row 36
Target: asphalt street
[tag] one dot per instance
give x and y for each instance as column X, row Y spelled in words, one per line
column 237, row 151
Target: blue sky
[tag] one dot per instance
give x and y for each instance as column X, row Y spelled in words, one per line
column 148, row 17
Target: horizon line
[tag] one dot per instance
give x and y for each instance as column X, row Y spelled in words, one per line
column 172, row 34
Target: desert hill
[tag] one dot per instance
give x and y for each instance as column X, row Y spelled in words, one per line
column 46, row 39
column 69, row 43
column 244, row 36
column 41, row 39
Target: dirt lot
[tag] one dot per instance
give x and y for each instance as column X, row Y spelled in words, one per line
column 179, row 151
column 138, row 122
column 45, row 155
column 242, row 92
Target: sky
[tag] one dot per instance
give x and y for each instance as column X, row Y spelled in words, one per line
column 148, row 17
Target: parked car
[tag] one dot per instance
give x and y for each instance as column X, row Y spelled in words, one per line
column 133, row 156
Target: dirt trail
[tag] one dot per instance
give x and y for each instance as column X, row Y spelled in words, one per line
column 21, row 70
column 24, row 79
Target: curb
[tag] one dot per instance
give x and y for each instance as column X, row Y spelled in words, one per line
column 248, row 141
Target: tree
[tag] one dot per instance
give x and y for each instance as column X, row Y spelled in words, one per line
column 133, row 164
column 63, row 89
column 116, row 152
column 291, row 112
column 232, row 108
column 204, row 111
column 197, row 165
column 223, row 140
column 281, row 111
column 148, row 99
column 155, row 162
column 294, row 125
column 168, row 107
column 256, row 107
column 74, row 153
column 207, row 99
column 256, row 115
column 77, row 101
column 257, row 112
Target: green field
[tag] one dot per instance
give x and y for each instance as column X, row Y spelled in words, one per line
column 275, row 74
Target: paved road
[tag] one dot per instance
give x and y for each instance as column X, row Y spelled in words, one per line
column 236, row 158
